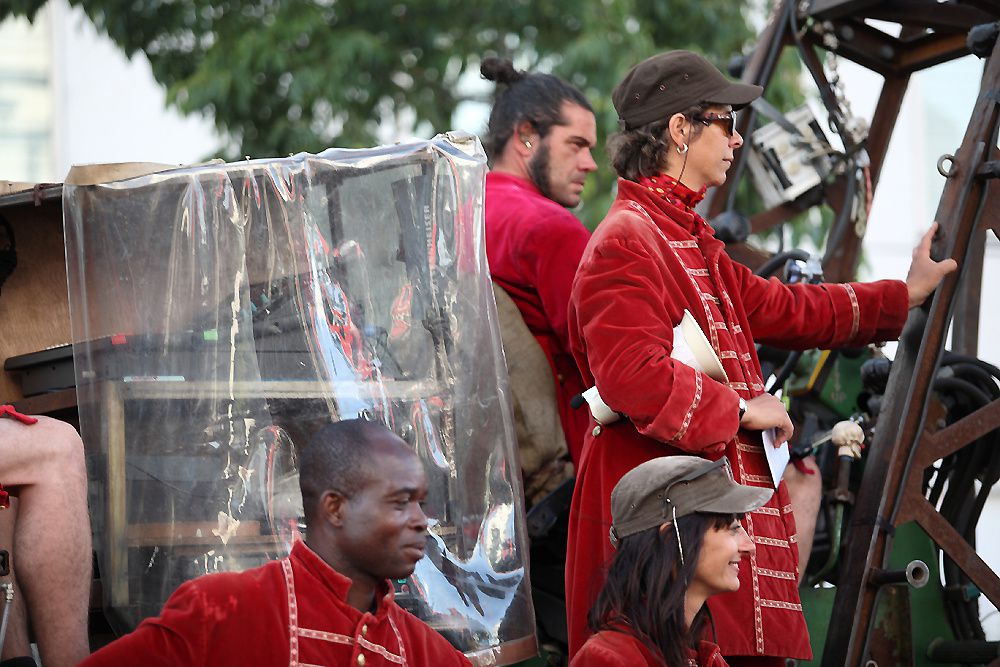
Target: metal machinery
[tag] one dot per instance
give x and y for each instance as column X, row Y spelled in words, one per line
column 926, row 475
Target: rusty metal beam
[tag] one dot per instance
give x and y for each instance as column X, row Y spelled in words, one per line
column 936, row 446
column 965, row 325
column 887, row 473
column 991, row 7
column 747, row 255
column 938, row 16
column 867, row 46
column 777, row 215
column 991, row 208
column 890, row 101
column 929, row 50
column 953, row 544
column 831, row 9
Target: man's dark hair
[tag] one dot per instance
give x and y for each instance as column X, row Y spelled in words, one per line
column 536, row 98
column 644, row 591
column 340, row 457
column 643, row 151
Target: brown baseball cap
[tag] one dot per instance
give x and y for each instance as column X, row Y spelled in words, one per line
column 669, row 487
column 672, row 82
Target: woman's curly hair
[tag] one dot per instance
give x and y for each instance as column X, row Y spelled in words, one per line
column 643, row 151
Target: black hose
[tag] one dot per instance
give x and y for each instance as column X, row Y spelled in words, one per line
column 843, row 220
column 954, row 384
column 960, row 505
column 786, row 370
column 953, row 357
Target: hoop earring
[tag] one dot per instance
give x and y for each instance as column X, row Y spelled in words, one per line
column 527, row 144
column 682, row 152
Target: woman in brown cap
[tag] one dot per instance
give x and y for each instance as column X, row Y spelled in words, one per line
column 678, row 540
column 652, row 258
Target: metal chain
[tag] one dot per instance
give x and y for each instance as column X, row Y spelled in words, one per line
column 855, row 126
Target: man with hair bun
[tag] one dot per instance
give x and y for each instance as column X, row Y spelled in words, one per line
column 539, row 140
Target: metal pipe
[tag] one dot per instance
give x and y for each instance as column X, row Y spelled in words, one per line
column 8, row 599
column 916, row 574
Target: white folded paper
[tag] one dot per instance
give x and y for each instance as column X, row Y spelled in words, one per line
column 777, row 458
column 692, row 348
column 602, row 413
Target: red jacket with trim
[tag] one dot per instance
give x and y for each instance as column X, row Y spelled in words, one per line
column 288, row 612
column 646, row 263
column 610, row 648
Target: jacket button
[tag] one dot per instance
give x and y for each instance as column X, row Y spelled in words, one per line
column 361, row 660
column 364, row 630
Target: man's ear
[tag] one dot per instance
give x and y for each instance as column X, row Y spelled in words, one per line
column 525, row 138
column 331, row 507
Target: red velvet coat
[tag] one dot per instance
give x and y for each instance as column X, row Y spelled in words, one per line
column 289, row 612
column 609, row 648
column 647, row 262
column 533, row 246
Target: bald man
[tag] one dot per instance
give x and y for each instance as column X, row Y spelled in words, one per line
column 329, row 602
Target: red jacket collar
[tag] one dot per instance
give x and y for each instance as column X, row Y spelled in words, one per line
column 311, row 561
column 504, row 178
column 659, row 208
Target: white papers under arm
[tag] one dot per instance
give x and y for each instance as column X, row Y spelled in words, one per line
column 777, row 458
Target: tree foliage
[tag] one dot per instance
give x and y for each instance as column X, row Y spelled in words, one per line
column 282, row 76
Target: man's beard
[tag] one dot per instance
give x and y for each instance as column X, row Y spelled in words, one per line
column 538, row 170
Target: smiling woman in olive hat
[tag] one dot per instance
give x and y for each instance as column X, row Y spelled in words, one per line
column 652, row 258
column 678, row 541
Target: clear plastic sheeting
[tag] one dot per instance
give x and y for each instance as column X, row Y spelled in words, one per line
column 223, row 313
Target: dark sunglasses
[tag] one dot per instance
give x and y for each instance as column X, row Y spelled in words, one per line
column 727, row 119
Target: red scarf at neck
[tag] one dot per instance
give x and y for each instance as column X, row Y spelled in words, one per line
column 672, row 191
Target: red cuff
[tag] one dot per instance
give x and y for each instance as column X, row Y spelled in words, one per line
column 800, row 465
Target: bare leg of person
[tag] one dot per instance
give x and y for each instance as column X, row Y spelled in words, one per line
column 15, row 642
column 805, row 491
column 44, row 465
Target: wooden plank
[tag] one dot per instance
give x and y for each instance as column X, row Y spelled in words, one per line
column 44, row 404
column 34, row 304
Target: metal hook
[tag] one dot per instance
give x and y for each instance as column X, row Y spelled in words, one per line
column 940, row 165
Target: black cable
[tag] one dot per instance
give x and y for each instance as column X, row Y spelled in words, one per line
column 960, row 504
column 843, row 220
column 945, row 385
column 950, row 357
column 786, row 370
